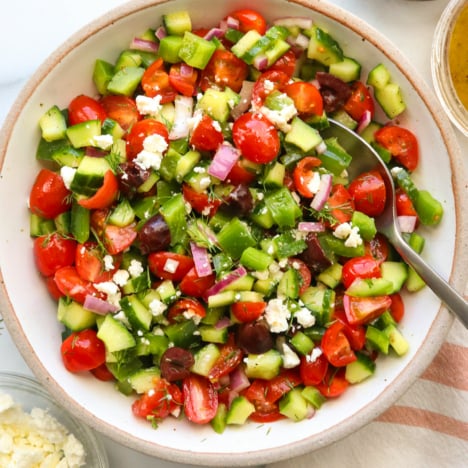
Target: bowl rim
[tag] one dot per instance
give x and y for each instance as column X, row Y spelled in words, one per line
column 440, row 72
column 408, row 375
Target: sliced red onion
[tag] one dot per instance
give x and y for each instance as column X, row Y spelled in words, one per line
column 232, row 23
column 95, row 152
column 98, row 306
column 239, row 380
column 222, row 323
column 223, row 161
column 182, row 113
column 293, row 21
column 407, row 223
column 160, row 32
column 245, row 99
column 226, row 281
column 323, row 193
column 201, row 260
column 260, row 62
column 364, row 121
column 311, row 226
column 213, row 32
column 144, row 45
column 321, row 147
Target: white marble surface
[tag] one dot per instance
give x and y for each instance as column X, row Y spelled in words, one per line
column 30, row 30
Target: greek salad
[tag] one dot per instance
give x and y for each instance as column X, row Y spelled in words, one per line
column 207, row 250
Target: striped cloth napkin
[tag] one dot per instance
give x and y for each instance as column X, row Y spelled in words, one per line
column 426, row 427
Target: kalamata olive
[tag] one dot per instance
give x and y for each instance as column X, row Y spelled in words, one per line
column 130, row 177
column 240, row 200
column 254, row 337
column 314, row 256
column 335, row 92
column 154, row 235
column 176, row 363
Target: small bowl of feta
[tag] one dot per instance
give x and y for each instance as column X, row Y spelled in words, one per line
column 36, row 431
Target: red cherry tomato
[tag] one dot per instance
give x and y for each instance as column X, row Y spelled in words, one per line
column 304, row 173
column 83, row 351
column 54, row 291
column 402, row 144
column 90, row 265
column 341, row 203
column 140, row 131
column 200, row 201
column 313, row 372
column 159, row 402
column 117, row 239
column 205, row 136
column 256, row 137
column 334, row 383
column 105, row 195
column 224, row 70
column 359, row 102
column 360, row 267
column 286, row 63
column 369, row 193
column 281, row 384
column 186, row 308
column 265, row 411
column 194, row 285
column 269, row 81
column 53, row 252
column 307, row 98
column 239, row 174
column 183, row 79
column 169, row 265
column 70, row 283
column 404, row 205
column 336, row 347
column 378, row 247
column 356, row 334
column 397, row 308
column 229, row 358
column 362, row 310
column 155, row 82
column 83, row 108
column 248, row 311
column 122, row 109
column 200, row 399
column 250, row 19
column 103, row 373
column 49, row 197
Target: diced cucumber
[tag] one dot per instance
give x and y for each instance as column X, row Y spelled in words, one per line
column 143, row 379
column 262, row 216
column 396, row 272
column 112, row 127
column 331, row 276
column 137, row 314
column 221, row 299
column 186, row 164
column 245, row 43
column 218, row 423
column 239, row 411
column 397, row 341
column 360, row 369
column 245, row 283
column 347, row 70
column 366, row 225
column 313, row 396
column 82, row 134
column 365, row 287
column 368, row 133
column 196, row 51
column 379, row 76
column 377, row 339
column 263, row 366
column 169, row 48
column 293, row 405
column 414, row 282
column 335, row 158
column 255, row 259
column 80, row 222
column 128, row 58
column 122, row 215
column 89, row 175
column 39, row 226
column 125, row 81
column 212, row 334
column 320, row 301
column 115, row 335
column 177, row 22
column 274, row 175
column 302, row 343
column 217, row 104
column 166, row 291
column 323, row 48
column 205, row 358
column 74, row 316
column 302, row 135
column 182, row 333
column 53, row 124
column 102, row 74
column 288, row 285
column 151, row 345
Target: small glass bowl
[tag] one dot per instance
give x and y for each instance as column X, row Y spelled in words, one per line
column 441, row 76
column 29, row 394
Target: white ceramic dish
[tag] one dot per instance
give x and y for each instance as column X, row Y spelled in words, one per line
column 29, row 313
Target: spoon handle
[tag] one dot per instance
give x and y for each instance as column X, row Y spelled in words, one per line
column 451, row 298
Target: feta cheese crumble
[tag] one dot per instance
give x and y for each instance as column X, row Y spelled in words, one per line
column 153, row 148
column 290, row 358
column 135, row 269
column 348, row 233
column 280, row 118
column 149, row 105
column 35, row 439
column 67, row 173
column 304, row 317
column 277, row 315
column 103, row 141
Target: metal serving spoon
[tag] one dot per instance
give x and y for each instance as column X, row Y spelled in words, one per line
column 365, row 158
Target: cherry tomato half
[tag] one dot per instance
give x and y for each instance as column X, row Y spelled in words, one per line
column 183, row 78
column 169, row 265
column 360, row 267
column 307, row 98
column 52, row 252
column 269, row 81
column 303, row 175
column 206, row 136
column 155, row 82
column 90, row 265
column 186, row 308
column 336, row 347
column 122, row 109
column 105, row 195
column 404, row 205
column 200, row 201
column 200, row 399
column 369, row 193
column 334, row 383
column 341, row 203
column 140, row 131
column 49, row 197
column 194, row 285
column 286, row 63
column 250, row 19
column 248, row 311
column 313, row 371
column 359, row 102
column 83, row 351
column 70, row 283
column 83, row 108
column 362, row 310
column 265, row 411
column 229, row 358
column 256, row 137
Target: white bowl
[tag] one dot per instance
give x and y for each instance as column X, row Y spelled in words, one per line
column 29, row 312
column 29, row 394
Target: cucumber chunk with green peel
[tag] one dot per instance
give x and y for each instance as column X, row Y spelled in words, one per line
column 263, row 366
column 367, row 287
column 143, row 379
column 396, row 273
column 177, row 22
column 115, row 335
column 360, row 369
column 125, row 81
column 347, row 70
column 83, row 134
column 204, row 359
column 218, row 423
column 293, row 405
column 323, row 47
column 196, row 51
column 239, row 411
column 302, row 135
column 313, row 396
column 53, row 124
column 74, row 316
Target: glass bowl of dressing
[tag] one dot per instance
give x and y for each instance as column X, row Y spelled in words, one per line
column 449, row 62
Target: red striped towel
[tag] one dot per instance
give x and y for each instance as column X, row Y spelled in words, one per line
column 426, row 427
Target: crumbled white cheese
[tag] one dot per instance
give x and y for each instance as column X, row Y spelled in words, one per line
column 304, row 317
column 67, row 173
column 35, row 439
column 395, row 170
column 153, row 148
column 157, row 307
column 108, row 262
column 277, row 315
column 155, row 143
column 104, row 142
column 314, row 183
column 121, row 277
column 314, row 354
column 135, row 268
column 348, row 233
column 342, row 231
column 111, row 290
column 149, row 106
column 290, row 358
column 204, row 182
column 171, row 265
column 268, row 85
column 280, row 118
column 121, row 317
column 191, row 314
column 217, row 126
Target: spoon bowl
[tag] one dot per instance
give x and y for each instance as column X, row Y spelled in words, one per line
column 365, row 158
